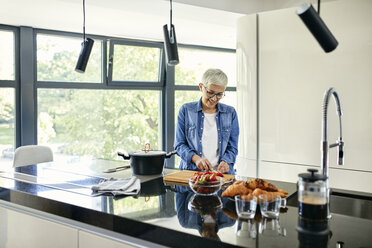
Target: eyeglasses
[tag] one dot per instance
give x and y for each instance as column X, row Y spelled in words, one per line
column 211, row 94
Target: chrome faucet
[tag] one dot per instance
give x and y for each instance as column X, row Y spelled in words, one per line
column 324, row 143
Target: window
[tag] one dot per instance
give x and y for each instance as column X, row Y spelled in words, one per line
column 7, row 96
column 195, row 61
column 57, row 57
column 7, row 55
column 136, row 63
column 7, row 123
column 98, row 123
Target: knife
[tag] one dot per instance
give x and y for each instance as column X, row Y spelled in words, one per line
column 117, row 168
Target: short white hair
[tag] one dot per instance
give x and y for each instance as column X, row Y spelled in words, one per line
column 214, row 76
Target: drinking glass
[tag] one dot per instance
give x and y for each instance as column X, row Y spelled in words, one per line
column 270, row 205
column 246, row 206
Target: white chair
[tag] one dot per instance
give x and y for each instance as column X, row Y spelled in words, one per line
column 33, row 154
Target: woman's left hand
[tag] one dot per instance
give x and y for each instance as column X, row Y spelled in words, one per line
column 223, row 167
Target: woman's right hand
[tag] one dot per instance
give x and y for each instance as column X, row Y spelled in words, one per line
column 202, row 163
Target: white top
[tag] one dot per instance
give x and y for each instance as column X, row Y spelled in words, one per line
column 210, row 139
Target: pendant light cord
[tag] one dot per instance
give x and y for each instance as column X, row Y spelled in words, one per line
column 318, row 7
column 170, row 13
column 84, row 20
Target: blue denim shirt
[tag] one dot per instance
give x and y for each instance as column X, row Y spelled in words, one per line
column 189, row 133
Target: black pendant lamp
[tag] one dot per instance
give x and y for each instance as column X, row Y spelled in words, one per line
column 86, row 48
column 317, row 26
column 170, row 42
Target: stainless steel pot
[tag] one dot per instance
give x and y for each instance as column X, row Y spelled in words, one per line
column 147, row 161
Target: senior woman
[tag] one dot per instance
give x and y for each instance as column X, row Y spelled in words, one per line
column 207, row 131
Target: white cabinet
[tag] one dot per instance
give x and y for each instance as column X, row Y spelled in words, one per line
column 22, row 230
column 24, row 227
column 92, row 240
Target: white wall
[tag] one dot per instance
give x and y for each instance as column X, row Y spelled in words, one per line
column 294, row 73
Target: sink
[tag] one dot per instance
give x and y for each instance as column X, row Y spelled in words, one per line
column 345, row 203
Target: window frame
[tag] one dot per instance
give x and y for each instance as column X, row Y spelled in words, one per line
column 64, row 84
column 14, row 83
column 180, row 87
column 137, row 43
column 104, row 85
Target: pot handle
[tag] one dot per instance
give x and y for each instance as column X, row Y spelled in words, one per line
column 170, row 154
column 147, row 147
column 125, row 157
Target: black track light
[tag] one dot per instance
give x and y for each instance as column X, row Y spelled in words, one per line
column 170, row 42
column 317, row 27
column 86, row 48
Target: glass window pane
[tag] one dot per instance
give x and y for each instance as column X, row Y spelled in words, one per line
column 57, row 57
column 194, row 62
column 135, row 63
column 98, row 123
column 7, row 125
column 7, row 55
column 230, row 99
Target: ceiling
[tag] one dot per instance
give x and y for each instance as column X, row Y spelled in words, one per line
column 207, row 22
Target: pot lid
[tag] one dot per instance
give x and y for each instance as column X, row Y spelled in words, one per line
column 312, row 176
column 147, row 153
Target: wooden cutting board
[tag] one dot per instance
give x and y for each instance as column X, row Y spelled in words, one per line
column 182, row 177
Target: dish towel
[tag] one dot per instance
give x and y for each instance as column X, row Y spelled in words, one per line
column 121, row 186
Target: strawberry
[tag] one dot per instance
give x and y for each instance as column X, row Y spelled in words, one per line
column 219, row 174
column 212, row 178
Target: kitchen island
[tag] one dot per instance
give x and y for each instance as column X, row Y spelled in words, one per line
column 161, row 215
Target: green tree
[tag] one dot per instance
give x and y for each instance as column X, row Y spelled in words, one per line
column 7, row 106
column 118, row 119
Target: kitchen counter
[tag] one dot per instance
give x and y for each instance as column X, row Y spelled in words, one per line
column 165, row 215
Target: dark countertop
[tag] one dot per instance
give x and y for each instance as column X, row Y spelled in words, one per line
column 163, row 214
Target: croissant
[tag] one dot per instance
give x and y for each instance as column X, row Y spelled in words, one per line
column 258, row 192
column 283, row 191
column 236, row 189
column 271, row 195
column 261, row 184
column 282, row 195
column 240, row 182
column 248, row 197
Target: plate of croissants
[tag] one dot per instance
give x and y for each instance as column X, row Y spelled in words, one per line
column 255, row 187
